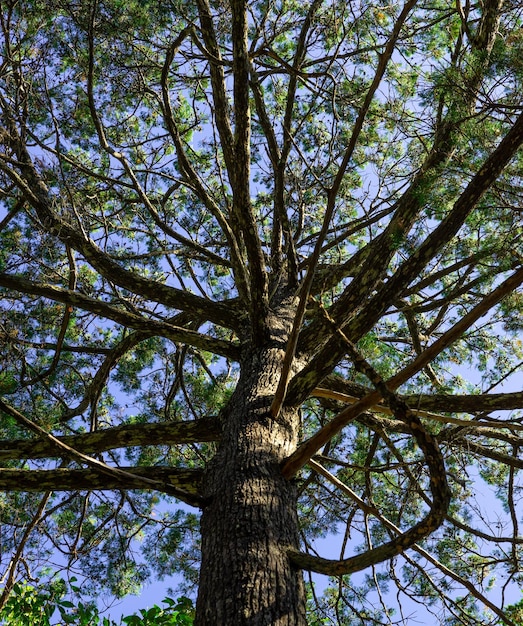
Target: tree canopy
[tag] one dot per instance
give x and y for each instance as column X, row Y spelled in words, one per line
column 263, row 260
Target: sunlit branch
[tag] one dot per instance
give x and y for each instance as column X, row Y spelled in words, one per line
column 307, row 449
column 320, row 392
column 305, row 288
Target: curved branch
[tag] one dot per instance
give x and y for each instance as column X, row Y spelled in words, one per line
column 95, row 387
column 341, row 567
column 64, row 325
column 429, row 446
column 436, row 466
column 362, row 561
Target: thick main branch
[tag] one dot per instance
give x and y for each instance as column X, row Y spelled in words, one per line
column 181, row 483
column 113, row 438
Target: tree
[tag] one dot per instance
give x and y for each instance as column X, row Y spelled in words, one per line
column 264, row 259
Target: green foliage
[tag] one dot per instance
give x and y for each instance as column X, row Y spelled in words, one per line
column 56, row 606
column 515, row 613
column 139, row 264
column 178, row 613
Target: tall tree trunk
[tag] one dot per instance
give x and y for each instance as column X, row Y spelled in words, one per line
column 251, row 520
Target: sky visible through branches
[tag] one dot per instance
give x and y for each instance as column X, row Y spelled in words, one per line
column 264, row 258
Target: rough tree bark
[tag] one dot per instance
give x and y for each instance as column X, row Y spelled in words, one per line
column 250, row 522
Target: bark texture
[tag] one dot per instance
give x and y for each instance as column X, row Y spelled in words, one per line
column 250, row 523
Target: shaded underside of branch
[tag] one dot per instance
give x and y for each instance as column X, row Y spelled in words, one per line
column 181, row 483
column 112, row 438
column 118, row 315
